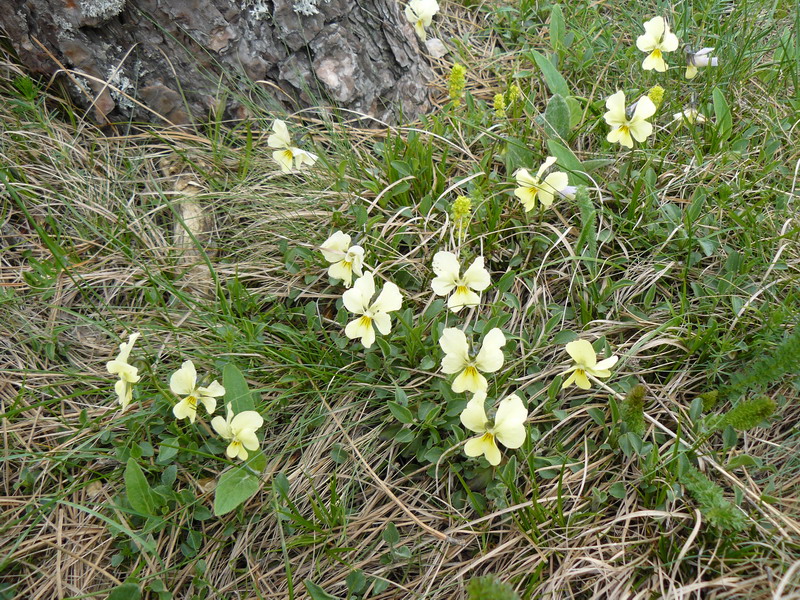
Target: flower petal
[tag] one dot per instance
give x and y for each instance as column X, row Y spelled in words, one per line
column 446, row 265
column 490, row 357
column 358, row 328
column 581, row 380
column 249, row 439
column 461, row 298
column 473, row 417
column 511, row 414
column 470, row 380
column 552, row 184
column 606, row 363
column 214, row 389
column 279, row 139
column 284, row 159
column 549, row 162
column 209, row 403
column 644, row 109
column 334, row 248
column 182, row 382
column 382, row 322
column 221, row 426
column 389, row 300
column 342, row 270
column 641, row 130
column 184, row 409
column 477, row 277
column 357, row 298
column 456, row 349
column 246, row 420
column 485, row 445
column 582, row 353
column 616, row 109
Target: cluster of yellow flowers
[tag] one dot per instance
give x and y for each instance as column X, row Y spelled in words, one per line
column 239, row 430
column 657, row 40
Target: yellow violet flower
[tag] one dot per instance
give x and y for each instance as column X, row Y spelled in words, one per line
column 285, row 154
column 358, row 300
column 533, row 186
column 457, row 359
column 508, row 427
column 656, row 40
column 697, row 59
column 420, row 14
column 626, row 130
column 184, row 383
column 346, row 259
column 690, row 116
column 585, row 359
column 128, row 374
column 240, row 431
column 448, row 278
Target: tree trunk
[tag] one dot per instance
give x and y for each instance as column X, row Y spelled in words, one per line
column 170, row 59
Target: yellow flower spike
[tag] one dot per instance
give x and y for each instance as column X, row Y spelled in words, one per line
column 240, row 431
column 286, row 155
column 531, row 187
column 184, row 383
column 345, row 259
column 586, row 363
column 624, row 130
column 656, row 95
column 508, row 427
column 657, row 39
column 420, row 14
column 457, row 359
column 463, row 287
column 128, row 374
column 358, row 300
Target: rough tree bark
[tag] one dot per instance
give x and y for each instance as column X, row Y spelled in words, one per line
column 168, row 55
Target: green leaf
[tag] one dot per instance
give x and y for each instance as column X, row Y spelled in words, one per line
column 554, row 80
column 256, row 461
column 569, row 162
column 575, row 111
column 564, row 337
column 235, row 487
column 401, row 413
column 617, row 490
column 722, row 112
column 139, row 493
column 390, row 535
column 556, row 117
column 167, row 450
column 743, row 460
column 316, row 592
column 237, row 393
column 557, row 28
column 126, row 591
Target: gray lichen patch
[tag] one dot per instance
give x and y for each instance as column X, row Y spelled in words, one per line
column 101, row 10
column 307, row 8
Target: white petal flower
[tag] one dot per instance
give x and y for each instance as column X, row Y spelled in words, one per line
column 240, row 430
column 286, row 155
column 531, row 187
column 449, row 279
column 420, row 14
column 183, row 382
column 625, row 130
column 358, row 300
column 508, row 427
column 345, row 259
column 689, row 116
column 701, row 58
column 457, row 358
column 657, row 40
column 128, row 374
column 585, row 359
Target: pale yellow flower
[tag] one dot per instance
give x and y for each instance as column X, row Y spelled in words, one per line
column 656, row 40
column 457, row 358
column 358, row 300
column 624, row 130
column 697, row 59
column 448, row 278
column 128, row 374
column 689, row 116
column 345, row 259
column 533, row 186
column 585, row 359
column 240, row 431
column 286, row 155
column 184, row 383
column 508, row 427
column 420, row 14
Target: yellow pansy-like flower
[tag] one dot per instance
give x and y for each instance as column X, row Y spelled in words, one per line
column 286, row 155
column 533, row 186
column 345, row 259
column 420, row 14
column 689, row 116
column 184, row 383
column 358, row 300
column 697, row 59
column 508, row 427
column 656, row 40
column 128, row 374
column 585, row 359
column 457, row 359
column 448, row 279
column 624, row 130
column 240, row 431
